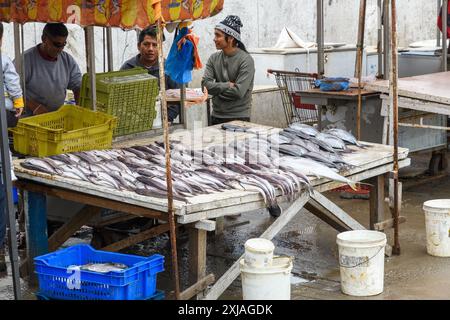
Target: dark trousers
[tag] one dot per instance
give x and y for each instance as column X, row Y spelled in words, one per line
column 215, row 120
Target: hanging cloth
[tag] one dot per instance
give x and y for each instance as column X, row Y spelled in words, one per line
column 183, row 57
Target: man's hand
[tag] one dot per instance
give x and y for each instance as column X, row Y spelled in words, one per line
column 231, row 84
column 19, row 112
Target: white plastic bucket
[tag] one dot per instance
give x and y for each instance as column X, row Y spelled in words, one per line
column 361, row 262
column 437, row 222
column 269, row 283
column 258, row 252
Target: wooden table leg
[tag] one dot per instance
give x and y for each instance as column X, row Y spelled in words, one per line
column 197, row 254
column 36, row 229
column 220, row 221
column 376, row 200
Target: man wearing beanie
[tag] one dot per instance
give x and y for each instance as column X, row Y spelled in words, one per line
column 229, row 74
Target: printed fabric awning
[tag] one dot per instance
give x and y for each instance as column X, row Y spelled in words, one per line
column 126, row 14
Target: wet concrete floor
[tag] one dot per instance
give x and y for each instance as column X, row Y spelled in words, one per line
column 412, row 275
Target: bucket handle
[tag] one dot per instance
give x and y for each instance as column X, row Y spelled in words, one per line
column 357, row 265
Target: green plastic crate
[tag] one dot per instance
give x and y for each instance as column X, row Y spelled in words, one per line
column 130, row 95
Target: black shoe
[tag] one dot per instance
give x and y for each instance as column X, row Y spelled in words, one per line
column 274, row 211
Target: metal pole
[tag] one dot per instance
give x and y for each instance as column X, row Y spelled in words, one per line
column 393, row 84
column 7, row 184
column 90, row 54
column 438, row 32
column 182, row 106
column 320, row 40
column 17, row 49
column 110, row 49
column 444, row 34
column 386, row 44
column 380, row 39
column 359, row 54
column 162, row 89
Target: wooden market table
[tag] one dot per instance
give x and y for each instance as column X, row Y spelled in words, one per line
column 426, row 94
column 200, row 211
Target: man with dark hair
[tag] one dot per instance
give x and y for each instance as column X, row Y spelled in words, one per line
column 229, row 74
column 148, row 58
column 49, row 72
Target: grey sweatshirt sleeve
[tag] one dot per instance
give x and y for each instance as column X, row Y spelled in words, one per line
column 243, row 81
column 11, row 78
column 75, row 76
column 208, row 80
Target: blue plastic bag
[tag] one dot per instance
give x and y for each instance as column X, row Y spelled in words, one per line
column 179, row 63
column 332, row 84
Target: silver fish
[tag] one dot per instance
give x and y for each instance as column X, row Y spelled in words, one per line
column 344, row 135
column 335, row 142
column 38, row 165
column 304, row 128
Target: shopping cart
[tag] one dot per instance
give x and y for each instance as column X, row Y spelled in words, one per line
column 290, row 84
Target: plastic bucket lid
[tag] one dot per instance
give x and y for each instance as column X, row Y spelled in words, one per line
column 279, row 265
column 361, row 238
column 438, row 205
column 259, row 245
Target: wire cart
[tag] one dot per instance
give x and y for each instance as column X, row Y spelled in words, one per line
column 290, row 84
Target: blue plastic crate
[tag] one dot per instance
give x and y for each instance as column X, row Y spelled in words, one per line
column 15, row 195
column 159, row 295
column 57, row 280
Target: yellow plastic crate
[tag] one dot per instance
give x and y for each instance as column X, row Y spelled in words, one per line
column 70, row 129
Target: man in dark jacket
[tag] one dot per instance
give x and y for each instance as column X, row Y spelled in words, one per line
column 148, row 59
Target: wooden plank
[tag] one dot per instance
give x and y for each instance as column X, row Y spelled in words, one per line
column 337, row 212
column 376, row 200
column 36, row 229
column 197, row 255
column 197, row 287
column 220, row 222
column 70, row 227
column 224, row 282
column 388, row 224
column 315, row 210
column 429, row 87
column 145, row 235
column 91, row 200
column 351, row 93
column 207, row 225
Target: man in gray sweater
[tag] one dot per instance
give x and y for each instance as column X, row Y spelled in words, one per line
column 229, row 74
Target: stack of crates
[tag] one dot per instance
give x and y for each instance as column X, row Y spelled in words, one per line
column 130, row 95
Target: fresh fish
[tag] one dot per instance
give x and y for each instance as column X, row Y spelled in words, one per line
column 137, row 153
column 88, row 157
column 102, row 178
column 233, row 127
column 323, row 144
column 335, row 142
column 134, row 162
column 321, row 157
column 104, row 267
column 312, row 168
column 344, row 135
column 292, row 149
column 38, row 165
column 304, row 128
column 73, row 172
column 64, row 158
column 157, row 193
column 297, row 133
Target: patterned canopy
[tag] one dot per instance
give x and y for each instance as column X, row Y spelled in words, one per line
column 126, row 14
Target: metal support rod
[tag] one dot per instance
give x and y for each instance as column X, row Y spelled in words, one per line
column 90, row 54
column 7, row 185
column 444, row 34
column 394, row 92
column 438, row 32
column 359, row 57
column 320, row 40
column 109, row 49
column 380, row 39
column 182, row 105
column 386, row 37
column 170, row 213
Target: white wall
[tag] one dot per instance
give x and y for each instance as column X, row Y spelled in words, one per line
column 263, row 20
